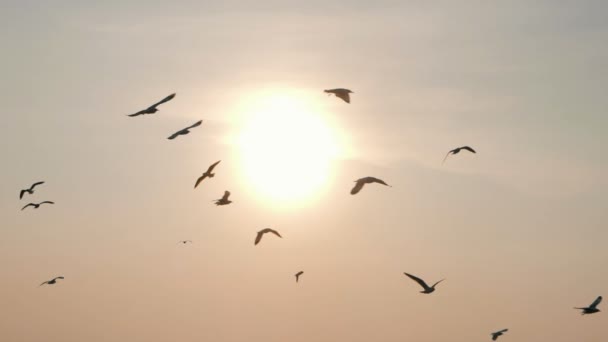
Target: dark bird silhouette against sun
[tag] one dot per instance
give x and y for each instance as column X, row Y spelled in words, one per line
column 184, row 131
column 37, row 205
column 30, row 190
column 261, row 233
column 298, row 275
column 342, row 93
column 224, row 200
column 496, row 335
column 427, row 289
column 185, row 241
column 591, row 309
column 365, row 180
column 152, row 109
column 457, row 150
column 207, row 174
column 51, row 282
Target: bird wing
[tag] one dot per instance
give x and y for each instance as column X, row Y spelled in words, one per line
column 28, row 205
column 199, row 180
column 44, row 282
column 48, row 202
column 274, row 232
column 168, row 98
column 437, row 282
column 418, row 280
column 355, row 190
column 446, row 156
column 21, row 193
column 178, row 133
column 494, row 337
column 196, row 124
column 258, row 237
column 468, row 149
column 60, row 277
column 596, row 302
column 35, row 185
column 344, row 96
column 377, row 180
column 502, row 331
column 212, row 166
column 138, row 113
column 226, row 195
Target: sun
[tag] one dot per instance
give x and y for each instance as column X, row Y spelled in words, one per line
column 287, row 147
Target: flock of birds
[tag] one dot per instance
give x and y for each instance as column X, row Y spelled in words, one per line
column 341, row 93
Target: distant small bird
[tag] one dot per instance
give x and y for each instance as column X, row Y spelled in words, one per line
column 261, row 233
column 497, row 334
column 209, row 173
column 366, row 180
column 51, row 282
column 30, row 190
column 457, row 150
column 185, row 241
column 298, row 275
column 427, row 289
column 591, row 309
column 224, row 200
column 152, row 109
column 342, row 93
column 185, row 130
column 36, row 205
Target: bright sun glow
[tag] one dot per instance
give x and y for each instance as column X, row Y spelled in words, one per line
column 287, row 147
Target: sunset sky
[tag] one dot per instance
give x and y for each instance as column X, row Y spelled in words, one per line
column 518, row 230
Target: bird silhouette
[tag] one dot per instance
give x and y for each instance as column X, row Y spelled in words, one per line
column 365, row 180
column 261, row 233
column 36, row 205
column 51, row 282
column 184, row 131
column 496, row 335
column 185, row 241
column 224, row 200
column 30, row 190
column 427, row 289
column 209, row 173
column 152, row 109
column 298, row 275
column 342, row 93
column 591, row 309
column 457, row 150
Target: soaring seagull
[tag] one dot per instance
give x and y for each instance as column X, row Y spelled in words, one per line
column 185, row 130
column 185, row 241
column 224, row 200
column 261, row 233
column 341, row 93
column 36, row 205
column 427, row 289
column 497, row 334
column 298, row 275
column 365, row 180
column 457, row 150
column 209, row 173
column 591, row 309
column 30, row 190
column 51, row 282
column 152, row 109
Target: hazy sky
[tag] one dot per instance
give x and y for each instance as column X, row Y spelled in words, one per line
column 518, row 230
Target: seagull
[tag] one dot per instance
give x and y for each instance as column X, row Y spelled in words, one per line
column 365, row 180
column 497, row 334
column 298, row 275
column 185, row 241
column 209, row 173
column 591, row 309
column 341, row 93
column 421, row 282
column 152, row 109
column 30, row 190
column 36, row 205
column 456, row 150
column 258, row 237
column 185, row 130
column 224, row 200
column 51, row 282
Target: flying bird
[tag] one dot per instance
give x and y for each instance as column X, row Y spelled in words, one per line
column 261, row 233
column 152, row 109
column 591, row 309
column 30, row 190
column 224, row 200
column 365, row 180
column 457, row 150
column 209, row 173
column 298, row 275
column 341, row 93
column 427, row 289
column 185, row 241
column 36, row 205
column 51, row 282
column 185, row 130
column 497, row 334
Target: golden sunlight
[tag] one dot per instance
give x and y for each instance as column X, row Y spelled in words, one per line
column 286, row 146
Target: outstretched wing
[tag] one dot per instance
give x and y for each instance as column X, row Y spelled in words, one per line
column 21, row 193
column 138, row 113
column 258, row 237
column 418, row 280
column 28, row 205
column 199, row 180
column 355, row 190
column 502, row 331
column 196, row 124
column 596, row 302
column 438, row 283
column 47, row 202
column 446, row 157
column 226, row 195
column 344, row 96
column 166, row 99
column 377, row 180
column 274, row 232
column 60, row 277
column 35, row 185
column 212, row 166
column 178, row 133
column 44, row 282
column 468, row 149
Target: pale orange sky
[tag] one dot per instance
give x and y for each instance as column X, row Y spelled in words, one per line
column 518, row 230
